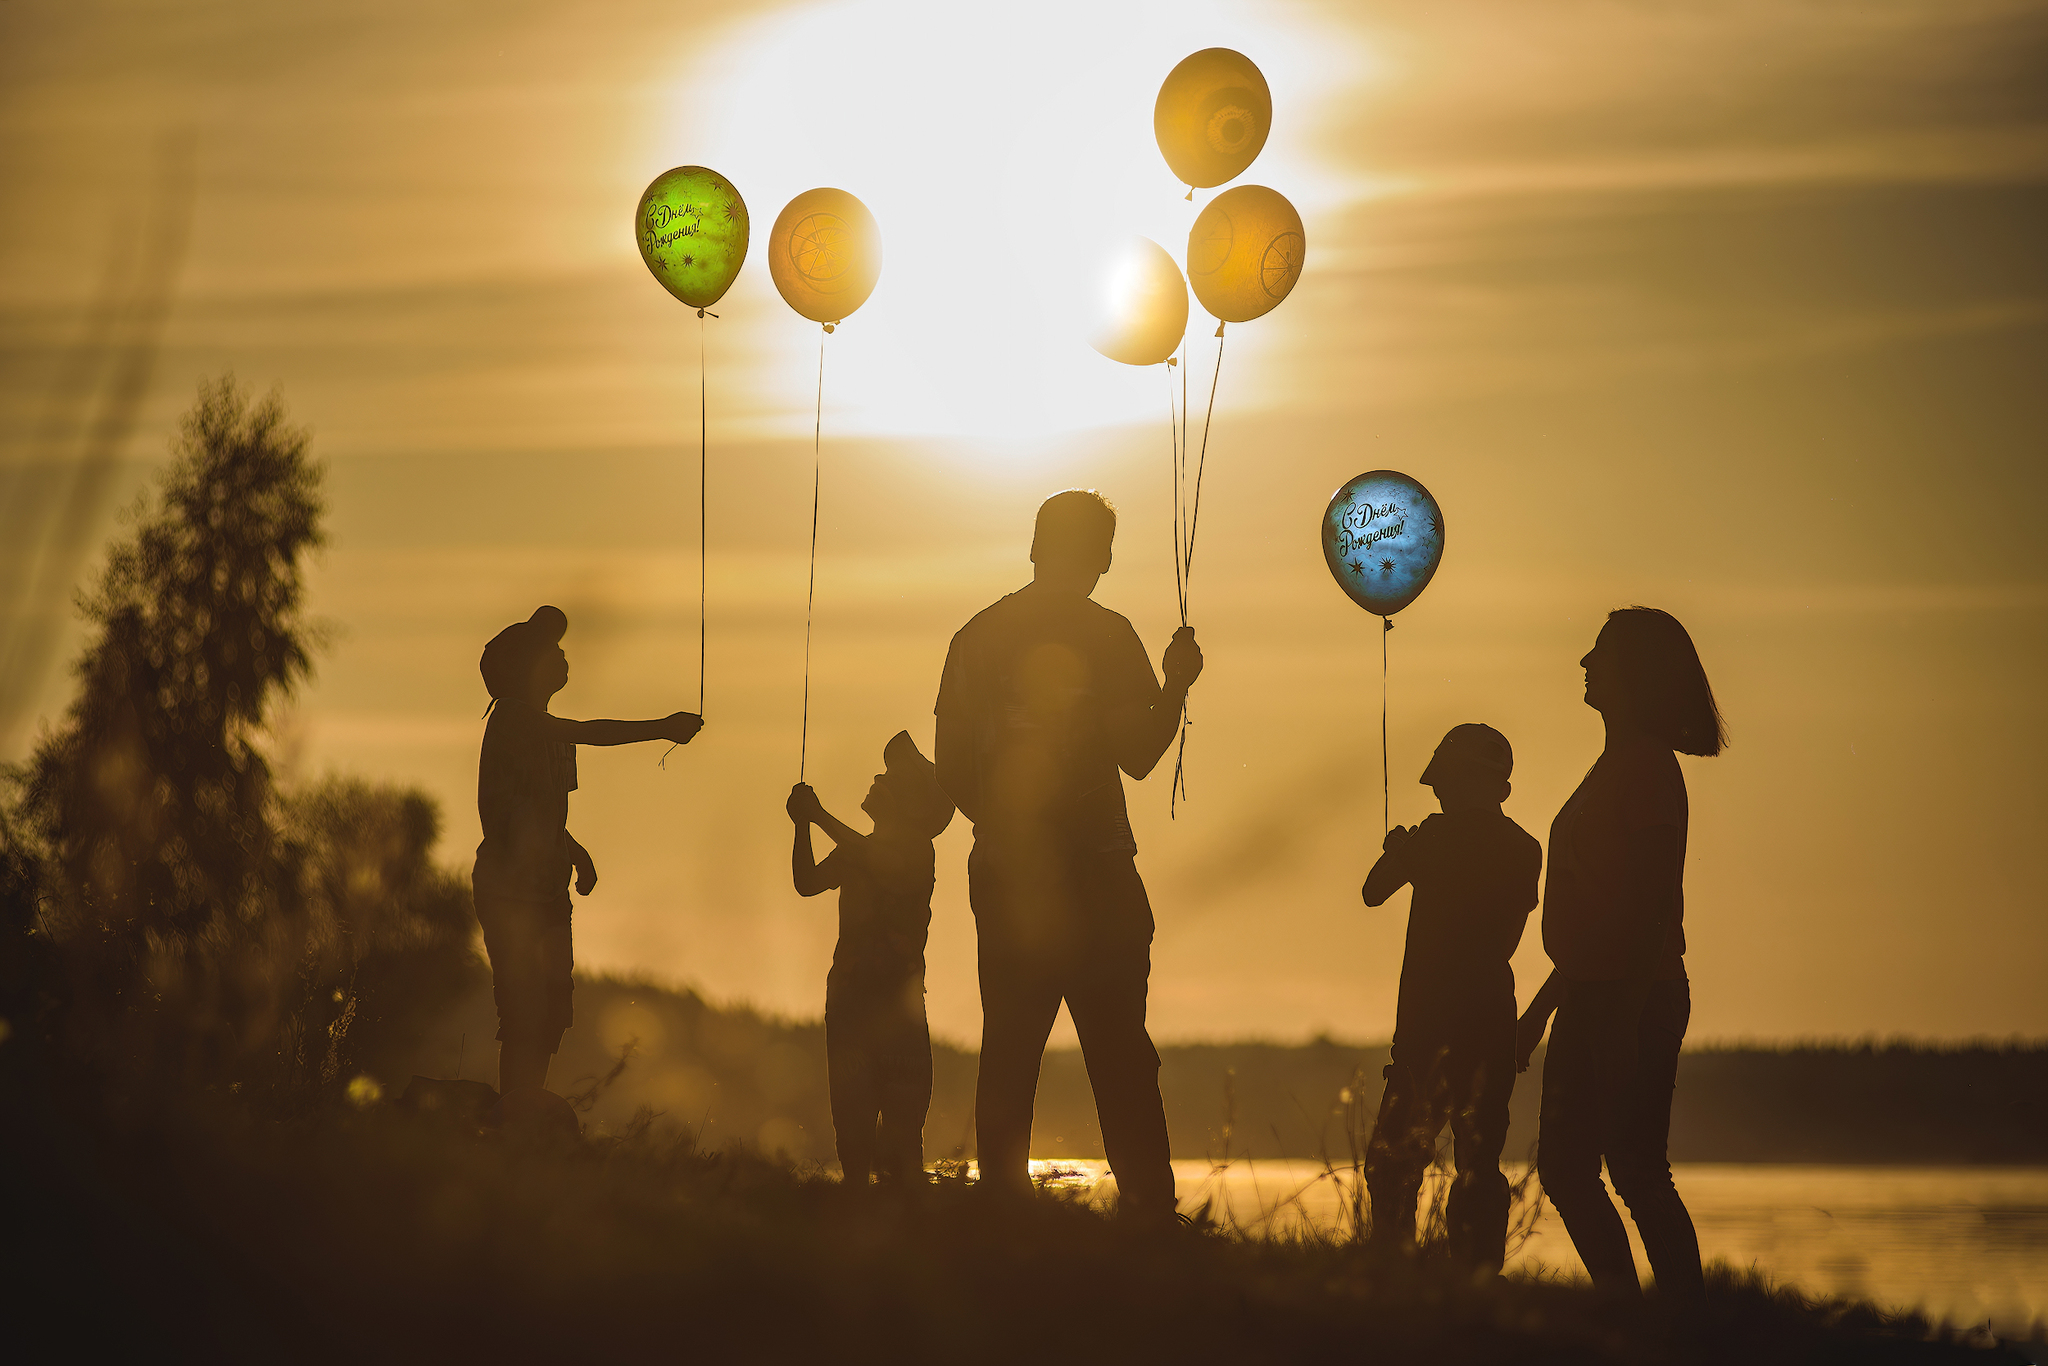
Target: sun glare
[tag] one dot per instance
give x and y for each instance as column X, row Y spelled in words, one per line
column 1001, row 150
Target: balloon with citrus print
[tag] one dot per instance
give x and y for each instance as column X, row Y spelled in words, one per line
column 1245, row 252
column 1383, row 537
column 692, row 228
column 1212, row 116
column 825, row 255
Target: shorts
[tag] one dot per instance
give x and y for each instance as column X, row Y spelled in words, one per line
column 531, row 962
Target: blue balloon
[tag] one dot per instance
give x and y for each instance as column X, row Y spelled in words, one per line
column 1383, row 536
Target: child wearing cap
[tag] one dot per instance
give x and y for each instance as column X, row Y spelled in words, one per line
column 878, row 1049
column 524, row 777
column 1474, row 872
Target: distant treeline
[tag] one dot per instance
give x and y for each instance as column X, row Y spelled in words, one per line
column 736, row 1074
column 1813, row 1103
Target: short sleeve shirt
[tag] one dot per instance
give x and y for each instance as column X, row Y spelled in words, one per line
column 1037, row 678
column 522, row 800
column 1589, row 919
column 885, row 908
column 1475, row 877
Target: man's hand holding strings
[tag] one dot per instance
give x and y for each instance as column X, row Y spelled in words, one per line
column 1183, row 663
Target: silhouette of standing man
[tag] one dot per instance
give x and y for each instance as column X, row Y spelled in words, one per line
column 1046, row 696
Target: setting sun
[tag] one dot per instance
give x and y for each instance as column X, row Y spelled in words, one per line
column 997, row 184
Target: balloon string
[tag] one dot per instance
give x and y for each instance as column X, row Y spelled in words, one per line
column 1179, row 790
column 703, row 515
column 1172, row 431
column 1180, row 504
column 1184, row 545
column 1386, row 786
column 811, row 594
column 1202, row 463
column 1180, row 591
column 703, row 522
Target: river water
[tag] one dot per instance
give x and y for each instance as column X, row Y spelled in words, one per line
column 1964, row 1244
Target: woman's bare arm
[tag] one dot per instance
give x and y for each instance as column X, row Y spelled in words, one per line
column 1653, row 875
column 1536, row 1019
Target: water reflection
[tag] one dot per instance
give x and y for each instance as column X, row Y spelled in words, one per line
column 1965, row 1244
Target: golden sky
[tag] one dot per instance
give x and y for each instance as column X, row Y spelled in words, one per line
column 1739, row 309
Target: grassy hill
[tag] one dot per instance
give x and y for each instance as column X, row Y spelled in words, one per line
column 231, row 1229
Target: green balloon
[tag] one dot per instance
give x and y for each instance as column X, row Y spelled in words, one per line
column 692, row 228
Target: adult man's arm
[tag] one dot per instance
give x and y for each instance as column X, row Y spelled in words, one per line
column 953, row 747
column 953, row 753
column 1141, row 734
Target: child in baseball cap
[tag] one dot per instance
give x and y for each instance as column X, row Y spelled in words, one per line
column 524, row 777
column 1474, row 873
column 878, row 1047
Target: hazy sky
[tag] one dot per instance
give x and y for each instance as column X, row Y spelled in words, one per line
column 1738, row 309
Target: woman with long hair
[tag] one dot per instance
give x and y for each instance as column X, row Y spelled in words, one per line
column 1614, row 927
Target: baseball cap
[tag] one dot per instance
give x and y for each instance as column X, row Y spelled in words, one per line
column 1471, row 748
column 917, row 778
column 510, row 655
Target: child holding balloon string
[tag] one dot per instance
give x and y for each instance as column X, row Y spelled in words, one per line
column 1474, row 872
column 878, row 1047
column 525, row 773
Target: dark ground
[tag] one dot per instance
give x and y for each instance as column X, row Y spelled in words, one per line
column 230, row 1229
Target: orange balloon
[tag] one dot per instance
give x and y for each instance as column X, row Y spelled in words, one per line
column 1245, row 253
column 1212, row 116
column 825, row 255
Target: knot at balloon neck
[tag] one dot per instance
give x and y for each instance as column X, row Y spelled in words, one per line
column 1386, row 624
column 706, row 313
column 1219, row 329
column 1191, row 194
column 830, row 326
column 1172, row 360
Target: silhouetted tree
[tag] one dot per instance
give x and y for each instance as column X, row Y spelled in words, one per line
column 389, row 937
column 25, row 978
column 170, row 893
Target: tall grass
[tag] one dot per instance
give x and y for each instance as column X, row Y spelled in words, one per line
column 1286, row 1211
column 227, row 1229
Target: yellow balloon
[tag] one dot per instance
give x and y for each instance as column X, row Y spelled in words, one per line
column 1212, row 116
column 1245, row 253
column 825, row 254
column 1140, row 308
